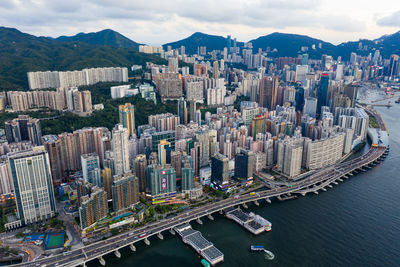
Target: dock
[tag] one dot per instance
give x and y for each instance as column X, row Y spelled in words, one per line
column 255, row 224
column 202, row 246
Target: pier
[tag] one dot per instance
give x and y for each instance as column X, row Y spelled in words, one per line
column 202, row 246
column 255, row 224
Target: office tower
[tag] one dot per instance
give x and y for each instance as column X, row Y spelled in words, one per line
column 161, row 180
column 258, row 126
column 33, row 187
column 244, row 162
column 120, row 149
column 125, row 192
column 219, row 169
column 268, row 92
column 107, row 180
column 93, row 208
column 173, row 64
column 91, row 168
column 323, row 92
column 127, row 117
column 140, row 171
column 182, row 111
column 187, row 177
column 215, row 70
column 299, row 99
column 164, row 152
column 192, row 110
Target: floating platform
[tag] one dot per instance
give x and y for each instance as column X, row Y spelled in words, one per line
column 202, row 246
column 252, row 222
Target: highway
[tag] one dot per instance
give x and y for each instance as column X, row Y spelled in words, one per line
column 95, row 250
column 316, row 181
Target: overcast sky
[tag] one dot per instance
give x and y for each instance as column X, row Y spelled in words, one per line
column 161, row 21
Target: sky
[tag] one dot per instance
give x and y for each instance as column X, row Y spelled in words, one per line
column 157, row 22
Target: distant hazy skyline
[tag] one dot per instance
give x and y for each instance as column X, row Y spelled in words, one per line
column 158, row 22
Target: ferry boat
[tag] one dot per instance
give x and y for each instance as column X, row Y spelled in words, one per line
column 205, row 263
column 257, row 248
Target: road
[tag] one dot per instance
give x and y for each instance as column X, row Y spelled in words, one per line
column 95, row 250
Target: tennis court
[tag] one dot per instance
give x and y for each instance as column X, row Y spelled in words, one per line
column 54, row 240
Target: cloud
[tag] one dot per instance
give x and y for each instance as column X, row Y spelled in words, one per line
column 154, row 21
column 392, row 20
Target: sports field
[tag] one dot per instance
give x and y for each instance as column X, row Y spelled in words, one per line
column 54, row 240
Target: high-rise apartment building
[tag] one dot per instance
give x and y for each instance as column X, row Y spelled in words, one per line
column 91, row 168
column 125, row 192
column 93, row 207
column 268, row 92
column 120, row 138
column 127, row 117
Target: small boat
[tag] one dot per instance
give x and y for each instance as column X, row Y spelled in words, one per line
column 205, row 263
column 257, row 248
column 269, row 255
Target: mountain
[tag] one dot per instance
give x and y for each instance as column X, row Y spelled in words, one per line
column 290, row 45
column 21, row 53
column 104, row 37
column 197, row 39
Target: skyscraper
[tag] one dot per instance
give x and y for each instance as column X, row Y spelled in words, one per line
column 192, row 110
column 187, row 177
column 33, row 187
column 182, row 111
column 91, row 168
column 107, row 180
column 161, row 180
column 164, row 152
column 269, row 92
column 125, row 192
column 215, row 70
column 127, row 117
column 219, row 169
column 120, row 137
column 23, row 128
column 140, row 171
column 323, row 92
column 244, row 162
column 257, row 126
